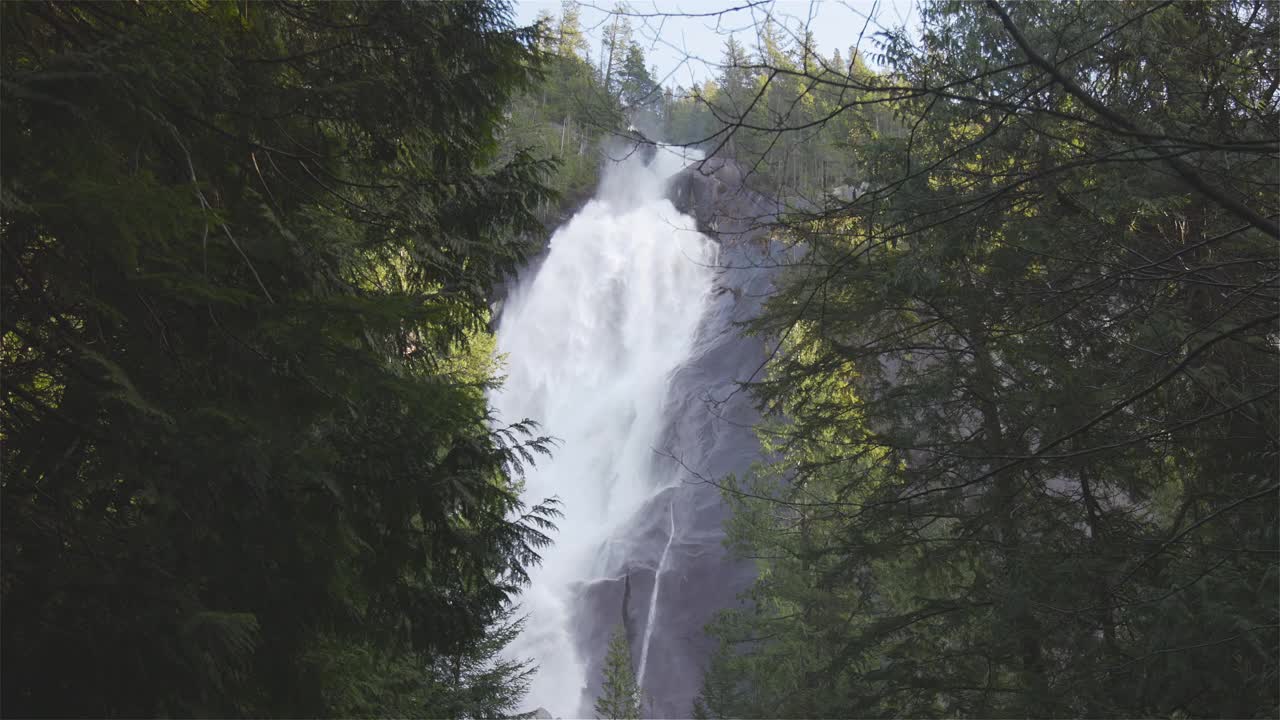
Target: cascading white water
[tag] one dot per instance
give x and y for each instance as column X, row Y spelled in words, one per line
column 653, row 598
column 590, row 345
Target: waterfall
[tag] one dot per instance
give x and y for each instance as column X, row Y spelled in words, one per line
column 653, row 599
column 590, row 344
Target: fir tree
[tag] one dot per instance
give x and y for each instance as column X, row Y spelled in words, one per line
column 248, row 461
column 621, row 696
column 571, row 41
column 1022, row 429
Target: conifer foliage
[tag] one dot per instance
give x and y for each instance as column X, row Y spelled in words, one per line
column 248, row 465
column 1022, row 404
column 620, row 698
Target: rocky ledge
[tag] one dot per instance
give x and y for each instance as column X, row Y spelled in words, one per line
column 714, row 192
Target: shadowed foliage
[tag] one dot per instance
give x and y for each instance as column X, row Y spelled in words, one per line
column 248, row 465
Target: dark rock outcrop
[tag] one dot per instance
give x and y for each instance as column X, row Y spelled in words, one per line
column 714, row 192
column 643, row 145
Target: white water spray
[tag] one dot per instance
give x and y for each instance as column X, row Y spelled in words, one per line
column 590, row 346
column 653, row 598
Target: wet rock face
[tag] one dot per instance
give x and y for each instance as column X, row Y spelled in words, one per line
column 714, row 193
column 707, row 435
column 643, row 145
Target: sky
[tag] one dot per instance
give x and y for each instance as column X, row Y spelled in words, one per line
column 687, row 49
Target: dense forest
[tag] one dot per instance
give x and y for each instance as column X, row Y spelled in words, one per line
column 1023, row 400
column 248, row 250
column 1020, row 409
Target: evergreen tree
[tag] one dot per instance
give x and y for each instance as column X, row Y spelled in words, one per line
column 563, row 117
column 248, row 461
column 613, row 49
column 571, row 42
column 621, row 698
column 689, row 118
column 548, row 39
column 636, row 86
column 1022, row 419
column 736, row 82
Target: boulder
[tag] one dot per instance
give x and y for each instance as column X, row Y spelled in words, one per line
column 714, row 193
